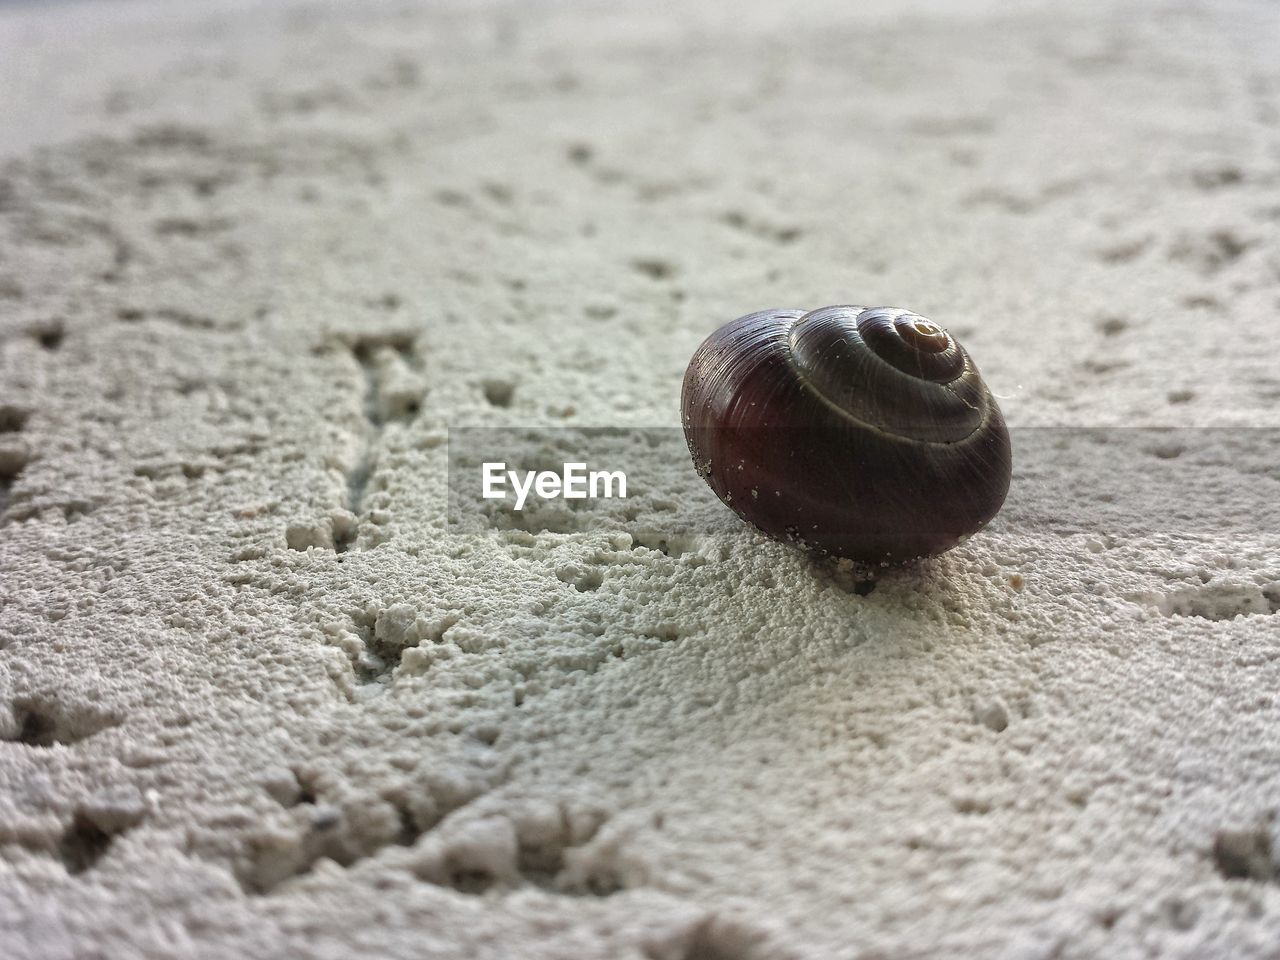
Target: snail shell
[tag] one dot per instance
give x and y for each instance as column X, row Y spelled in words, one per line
column 864, row 433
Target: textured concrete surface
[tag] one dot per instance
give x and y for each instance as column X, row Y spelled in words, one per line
column 258, row 698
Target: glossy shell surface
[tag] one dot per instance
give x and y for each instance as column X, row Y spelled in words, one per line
column 865, row 433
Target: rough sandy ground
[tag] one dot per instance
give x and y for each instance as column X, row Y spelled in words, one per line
column 253, row 265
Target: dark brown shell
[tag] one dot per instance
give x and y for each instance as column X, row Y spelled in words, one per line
column 861, row 433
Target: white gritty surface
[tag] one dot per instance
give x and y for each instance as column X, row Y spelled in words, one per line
column 250, row 254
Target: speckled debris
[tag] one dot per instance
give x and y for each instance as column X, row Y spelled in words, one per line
column 259, row 699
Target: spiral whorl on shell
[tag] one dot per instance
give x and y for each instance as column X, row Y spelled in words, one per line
column 859, row 432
